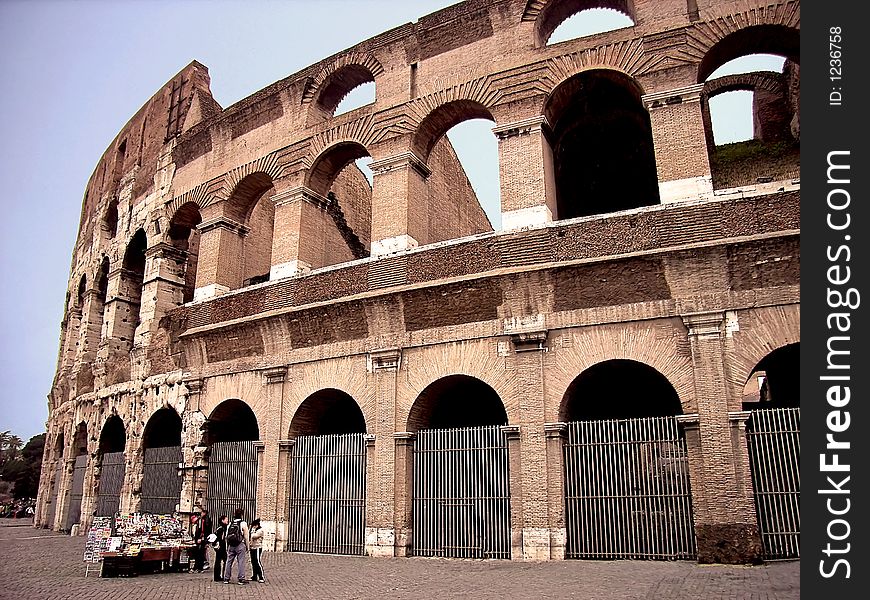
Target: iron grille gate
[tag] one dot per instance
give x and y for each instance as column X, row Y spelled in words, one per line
column 461, row 506
column 53, row 494
column 232, row 479
column 74, row 508
column 161, row 481
column 328, row 494
column 627, row 490
column 774, row 455
column 111, row 480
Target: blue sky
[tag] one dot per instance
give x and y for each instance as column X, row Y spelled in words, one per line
column 74, row 73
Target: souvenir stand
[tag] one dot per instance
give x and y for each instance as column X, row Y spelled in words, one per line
column 146, row 543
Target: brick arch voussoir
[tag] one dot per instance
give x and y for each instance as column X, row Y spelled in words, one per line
column 458, row 359
column 645, row 345
column 704, row 35
column 627, row 58
column 770, row 81
column 762, row 330
column 316, row 83
column 334, row 375
column 360, row 132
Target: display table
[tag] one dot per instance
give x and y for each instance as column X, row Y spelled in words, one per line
column 146, row 561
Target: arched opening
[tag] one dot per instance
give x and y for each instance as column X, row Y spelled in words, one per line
column 555, row 13
column 132, row 280
column 232, row 435
column 362, row 95
column 80, row 292
column 454, row 207
column 113, row 437
column 775, row 380
column 772, row 394
column 456, row 401
column 161, row 481
column 602, row 145
column 231, row 421
column 112, row 467
column 110, row 219
column 163, row 429
column 328, row 485
column 184, row 236
column 73, row 509
column 337, row 174
column 751, row 106
column 589, row 21
column 619, row 389
column 627, row 493
column 251, row 205
column 328, row 412
column 461, row 491
column 340, row 84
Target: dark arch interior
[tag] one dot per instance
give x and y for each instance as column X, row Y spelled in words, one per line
column 58, row 446
column 184, row 235
column 163, row 429
column 111, row 218
column 457, row 401
column 327, row 167
column 231, row 421
column 620, row 389
column 113, row 438
column 103, row 281
column 80, row 293
column 781, row 387
column 134, row 257
column 328, row 412
column 80, row 442
column 603, row 151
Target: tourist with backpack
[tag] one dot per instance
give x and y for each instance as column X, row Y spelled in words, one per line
column 238, row 540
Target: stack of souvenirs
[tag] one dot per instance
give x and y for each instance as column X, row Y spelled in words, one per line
column 146, row 530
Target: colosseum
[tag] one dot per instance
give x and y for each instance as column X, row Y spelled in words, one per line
column 371, row 369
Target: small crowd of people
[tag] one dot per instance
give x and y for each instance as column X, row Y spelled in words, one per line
column 234, row 541
column 19, row 509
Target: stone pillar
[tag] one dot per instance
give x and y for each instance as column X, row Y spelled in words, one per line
column 90, row 335
column 300, row 223
column 742, row 467
column 400, row 197
column 89, row 490
column 404, row 486
column 63, row 493
column 163, row 286
column 71, row 337
column 194, row 470
column 555, row 435
column 221, row 246
column 515, row 475
column 682, row 158
column 282, row 494
column 388, row 461
column 725, row 524
column 268, row 500
column 526, row 173
column 123, row 302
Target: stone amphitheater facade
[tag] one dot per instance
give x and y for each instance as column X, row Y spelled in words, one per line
column 236, row 278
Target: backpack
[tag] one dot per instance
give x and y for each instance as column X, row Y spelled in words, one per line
column 234, row 533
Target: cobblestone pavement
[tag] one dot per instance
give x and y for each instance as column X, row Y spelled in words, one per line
column 38, row 564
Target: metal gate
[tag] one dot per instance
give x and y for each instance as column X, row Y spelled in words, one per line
column 111, row 479
column 232, row 479
column 774, row 456
column 161, row 481
column 328, row 494
column 627, row 490
column 53, row 495
column 461, row 506
column 74, row 507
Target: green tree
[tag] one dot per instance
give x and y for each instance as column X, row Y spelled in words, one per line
column 23, row 466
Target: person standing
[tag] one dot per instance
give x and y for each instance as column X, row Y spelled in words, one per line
column 205, row 527
column 257, row 551
column 220, row 548
column 238, row 540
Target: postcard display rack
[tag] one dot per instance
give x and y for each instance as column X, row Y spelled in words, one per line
column 131, row 544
